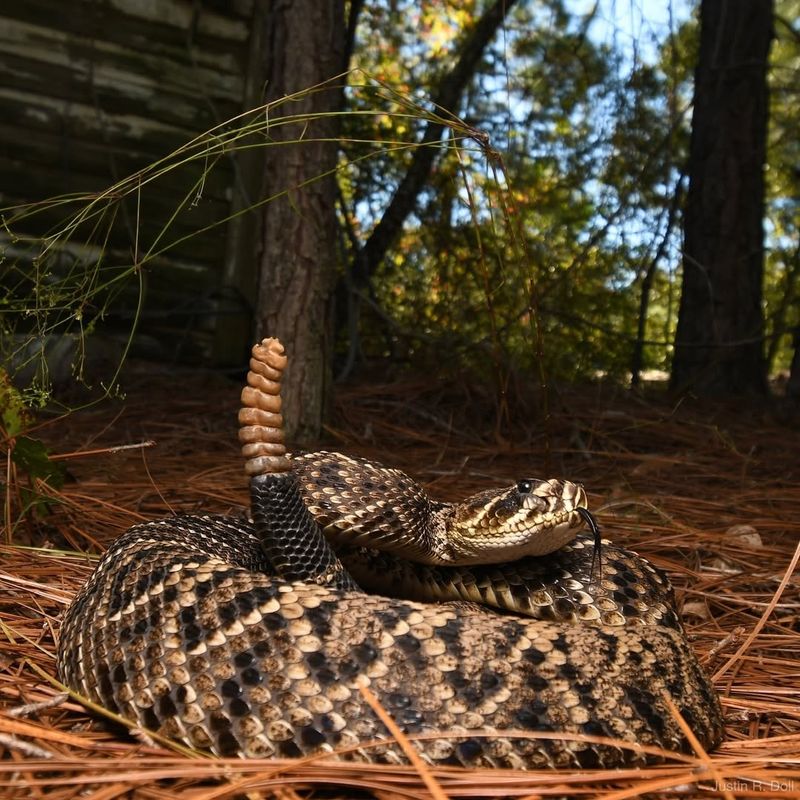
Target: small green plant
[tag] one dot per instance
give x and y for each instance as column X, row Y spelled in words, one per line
column 28, row 464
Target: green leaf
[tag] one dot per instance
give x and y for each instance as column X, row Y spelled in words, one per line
column 31, row 456
column 13, row 413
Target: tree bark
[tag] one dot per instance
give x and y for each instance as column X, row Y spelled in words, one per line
column 719, row 344
column 793, row 384
column 305, row 45
column 637, row 358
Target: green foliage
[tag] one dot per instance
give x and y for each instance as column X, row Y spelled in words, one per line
column 560, row 235
column 28, row 457
column 31, row 456
column 782, row 279
column 13, row 411
column 547, row 206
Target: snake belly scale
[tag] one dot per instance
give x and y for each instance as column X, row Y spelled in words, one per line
column 251, row 637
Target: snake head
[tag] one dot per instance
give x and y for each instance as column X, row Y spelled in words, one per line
column 532, row 518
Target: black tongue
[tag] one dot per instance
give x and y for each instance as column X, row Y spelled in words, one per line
column 589, row 519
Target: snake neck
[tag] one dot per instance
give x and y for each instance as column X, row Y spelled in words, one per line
column 360, row 503
column 289, row 535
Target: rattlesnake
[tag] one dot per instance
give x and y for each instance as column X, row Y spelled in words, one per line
column 252, row 638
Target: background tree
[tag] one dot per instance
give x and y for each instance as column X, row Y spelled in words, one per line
column 588, row 181
column 299, row 261
column 719, row 340
column 304, row 47
column 509, row 184
column 782, row 278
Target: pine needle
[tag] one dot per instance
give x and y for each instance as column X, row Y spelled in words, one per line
column 664, row 482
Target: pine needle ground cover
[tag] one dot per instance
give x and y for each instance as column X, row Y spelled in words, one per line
column 711, row 494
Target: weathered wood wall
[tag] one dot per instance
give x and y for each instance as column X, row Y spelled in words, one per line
column 93, row 90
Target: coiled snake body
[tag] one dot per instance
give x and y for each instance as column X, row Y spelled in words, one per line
column 251, row 638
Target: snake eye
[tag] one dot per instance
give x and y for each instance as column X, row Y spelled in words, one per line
column 524, row 487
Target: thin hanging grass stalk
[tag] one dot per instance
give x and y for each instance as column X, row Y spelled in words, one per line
column 95, row 273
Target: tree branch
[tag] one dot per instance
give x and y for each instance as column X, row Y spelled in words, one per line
column 350, row 34
column 446, row 97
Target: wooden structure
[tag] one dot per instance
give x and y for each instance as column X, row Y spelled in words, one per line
column 92, row 91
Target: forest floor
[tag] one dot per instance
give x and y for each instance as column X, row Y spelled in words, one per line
column 709, row 493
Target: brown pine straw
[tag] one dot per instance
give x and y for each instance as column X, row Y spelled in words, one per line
column 674, row 482
column 697, row 747
column 411, row 753
column 764, row 617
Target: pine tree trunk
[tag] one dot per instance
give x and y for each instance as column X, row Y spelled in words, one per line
column 305, row 45
column 719, row 346
column 793, row 384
